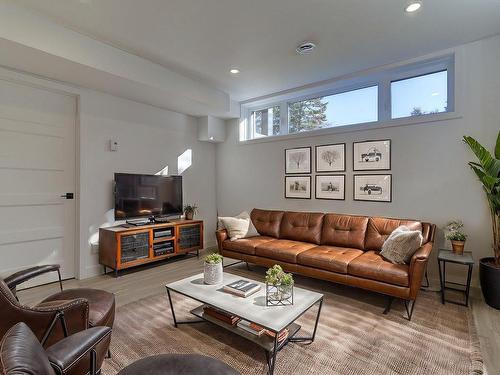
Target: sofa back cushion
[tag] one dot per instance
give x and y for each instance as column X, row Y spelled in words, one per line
column 267, row 222
column 302, row 226
column 344, row 231
column 379, row 228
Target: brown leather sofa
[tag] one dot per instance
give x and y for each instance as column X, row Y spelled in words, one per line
column 334, row 247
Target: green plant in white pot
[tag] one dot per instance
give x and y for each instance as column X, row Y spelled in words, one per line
column 487, row 169
column 212, row 269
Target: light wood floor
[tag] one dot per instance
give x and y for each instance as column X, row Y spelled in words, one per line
column 136, row 285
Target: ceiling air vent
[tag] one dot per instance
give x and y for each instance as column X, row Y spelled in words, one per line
column 305, row 48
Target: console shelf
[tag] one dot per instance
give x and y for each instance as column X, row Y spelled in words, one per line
column 126, row 246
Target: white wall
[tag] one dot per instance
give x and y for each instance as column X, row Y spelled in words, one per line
column 150, row 138
column 431, row 180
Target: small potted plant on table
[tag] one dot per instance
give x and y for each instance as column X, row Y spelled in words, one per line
column 190, row 210
column 279, row 287
column 456, row 236
column 212, row 269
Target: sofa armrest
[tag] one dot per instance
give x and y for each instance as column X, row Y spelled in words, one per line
column 81, row 353
column 418, row 264
column 221, row 236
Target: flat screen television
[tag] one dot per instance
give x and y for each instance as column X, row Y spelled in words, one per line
column 140, row 195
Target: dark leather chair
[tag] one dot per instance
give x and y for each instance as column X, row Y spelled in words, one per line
column 83, row 353
column 78, row 354
column 59, row 315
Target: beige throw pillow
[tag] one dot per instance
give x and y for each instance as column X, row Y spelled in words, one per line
column 238, row 227
column 401, row 244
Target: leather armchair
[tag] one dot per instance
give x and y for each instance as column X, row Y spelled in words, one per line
column 50, row 322
column 61, row 314
column 79, row 354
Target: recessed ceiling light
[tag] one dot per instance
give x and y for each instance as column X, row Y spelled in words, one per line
column 234, row 71
column 413, row 6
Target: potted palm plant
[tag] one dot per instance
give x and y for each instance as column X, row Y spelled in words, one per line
column 190, row 210
column 487, row 169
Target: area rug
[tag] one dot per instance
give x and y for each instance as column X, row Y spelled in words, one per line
column 353, row 337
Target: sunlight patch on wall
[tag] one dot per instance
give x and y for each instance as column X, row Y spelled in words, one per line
column 163, row 172
column 184, row 161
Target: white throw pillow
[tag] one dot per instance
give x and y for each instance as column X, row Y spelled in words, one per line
column 401, row 244
column 240, row 226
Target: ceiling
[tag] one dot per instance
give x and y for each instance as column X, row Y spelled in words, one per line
column 204, row 39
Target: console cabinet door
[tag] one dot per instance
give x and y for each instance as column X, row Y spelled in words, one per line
column 189, row 237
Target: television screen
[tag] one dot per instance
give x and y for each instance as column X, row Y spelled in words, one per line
column 138, row 195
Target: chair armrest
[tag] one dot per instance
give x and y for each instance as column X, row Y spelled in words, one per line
column 68, row 317
column 80, row 353
column 22, row 276
column 221, row 236
column 418, row 264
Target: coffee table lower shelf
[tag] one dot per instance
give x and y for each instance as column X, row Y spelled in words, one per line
column 264, row 341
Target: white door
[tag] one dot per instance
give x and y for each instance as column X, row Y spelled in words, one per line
column 37, row 167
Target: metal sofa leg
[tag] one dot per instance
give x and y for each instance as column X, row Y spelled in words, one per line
column 409, row 306
column 388, row 305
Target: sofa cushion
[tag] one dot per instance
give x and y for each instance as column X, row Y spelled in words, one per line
column 246, row 245
column 379, row 228
column 284, row 250
column 329, row 258
column 344, row 230
column 371, row 265
column 267, row 222
column 302, row 226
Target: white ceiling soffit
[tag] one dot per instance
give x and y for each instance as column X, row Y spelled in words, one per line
column 34, row 44
column 205, row 38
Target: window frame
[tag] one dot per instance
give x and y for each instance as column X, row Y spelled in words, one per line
column 381, row 78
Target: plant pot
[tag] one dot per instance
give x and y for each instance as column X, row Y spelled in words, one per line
column 188, row 215
column 489, row 275
column 212, row 273
column 458, row 247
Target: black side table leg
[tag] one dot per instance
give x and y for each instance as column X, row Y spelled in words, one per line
column 441, row 281
column 467, row 290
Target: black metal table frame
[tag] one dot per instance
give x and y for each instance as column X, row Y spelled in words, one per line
column 270, row 355
column 443, row 282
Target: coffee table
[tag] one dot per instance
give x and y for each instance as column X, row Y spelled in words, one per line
column 252, row 308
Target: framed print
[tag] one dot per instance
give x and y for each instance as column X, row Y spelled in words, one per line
column 298, row 187
column 373, row 187
column 372, row 155
column 330, row 187
column 298, row 160
column 330, row 158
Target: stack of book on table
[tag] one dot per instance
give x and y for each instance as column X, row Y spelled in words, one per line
column 242, row 288
column 221, row 315
column 257, row 330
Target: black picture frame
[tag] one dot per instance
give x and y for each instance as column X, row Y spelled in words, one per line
column 294, row 176
column 309, row 148
column 329, row 175
column 355, row 169
column 354, row 187
column 333, row 170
